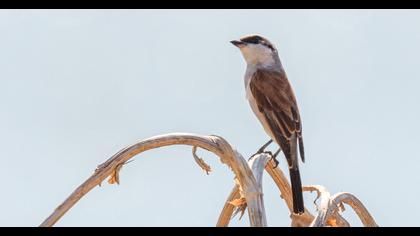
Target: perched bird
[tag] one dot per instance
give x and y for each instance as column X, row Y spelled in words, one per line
column 272, row 100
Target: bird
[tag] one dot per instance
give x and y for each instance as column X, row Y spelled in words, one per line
column 273, row 101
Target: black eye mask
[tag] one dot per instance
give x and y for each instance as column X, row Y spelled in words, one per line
column 252, row 39
column 255, row 39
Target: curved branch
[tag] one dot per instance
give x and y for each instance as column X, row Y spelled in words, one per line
column 326, row 215
column 203, row 165
column 212, row 143
column 323, row 208
column 329, row 207
column 228, row 208
column 257, row 164
column 357, row 206
column 282, row 183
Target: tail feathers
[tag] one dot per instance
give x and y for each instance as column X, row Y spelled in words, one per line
column 298, row 206
column 301, row 149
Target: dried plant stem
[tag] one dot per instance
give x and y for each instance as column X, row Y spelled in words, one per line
column 212, row 143
column 328, row 210
column 228, row 208
column 281, row 182
column 357, row 205
column 247, row 192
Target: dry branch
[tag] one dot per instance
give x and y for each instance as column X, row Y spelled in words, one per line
column 212, row 143
column 328, row 214
column 329, row 207
column 357, row 205
column 228, row 208
column 247, row 192
column 257, row 164
column 281, row 182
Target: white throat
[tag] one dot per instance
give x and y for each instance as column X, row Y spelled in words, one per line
column 257, row 55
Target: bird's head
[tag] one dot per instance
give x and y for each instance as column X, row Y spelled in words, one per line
column 257, row 50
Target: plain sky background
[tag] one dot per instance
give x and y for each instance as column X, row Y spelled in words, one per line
column 76, row 86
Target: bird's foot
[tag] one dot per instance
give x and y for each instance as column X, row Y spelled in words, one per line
column 261, row 149
column 260, row 152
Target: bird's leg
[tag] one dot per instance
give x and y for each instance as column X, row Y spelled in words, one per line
column 262, row 148
column 275, row 158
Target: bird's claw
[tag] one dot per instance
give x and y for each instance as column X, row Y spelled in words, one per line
column 262, row 148
column 275, row 161
column 259, row 152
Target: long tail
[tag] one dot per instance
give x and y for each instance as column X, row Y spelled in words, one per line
column 298, row 206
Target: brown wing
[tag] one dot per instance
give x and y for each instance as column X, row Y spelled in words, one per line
column 276, row 100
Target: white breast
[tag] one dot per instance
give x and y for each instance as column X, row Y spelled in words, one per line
column 253, row 103
column 250, row 70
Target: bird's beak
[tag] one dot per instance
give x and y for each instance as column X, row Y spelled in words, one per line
column 237, row 43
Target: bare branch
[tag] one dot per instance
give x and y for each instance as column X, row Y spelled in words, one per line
column 325, row 217
column 357, row 206
column 282, row 183
column 228, row 155
column 228, row 208
column 328, row 209
column 323, row 207
column 203, row 165
column 257, row 164
column 247, row 192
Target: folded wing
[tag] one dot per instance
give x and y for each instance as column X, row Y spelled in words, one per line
column 276, row 101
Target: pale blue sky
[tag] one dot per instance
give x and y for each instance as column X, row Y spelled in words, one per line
column 76, row 86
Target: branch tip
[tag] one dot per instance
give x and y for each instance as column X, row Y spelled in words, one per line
column 203, row 165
